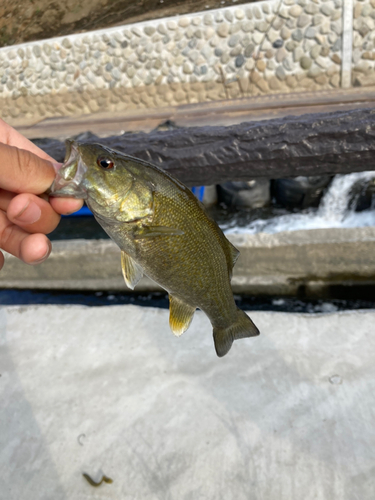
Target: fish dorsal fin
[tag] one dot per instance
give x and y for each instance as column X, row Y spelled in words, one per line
column 180, row 315
column 131, row 271
column 234, row 253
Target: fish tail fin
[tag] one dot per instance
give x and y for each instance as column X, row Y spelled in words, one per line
column 243, row 327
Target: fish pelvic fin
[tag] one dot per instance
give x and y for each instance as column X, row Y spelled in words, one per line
column 243, row 327
column 180, row 315
column 131, row 271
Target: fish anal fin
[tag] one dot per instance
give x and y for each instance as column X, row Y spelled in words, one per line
column 180, row 315
column 154, row 231
column 241, row 328
column 234, row 253
column 131, row 271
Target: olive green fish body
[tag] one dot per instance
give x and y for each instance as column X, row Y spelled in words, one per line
column 165, row 233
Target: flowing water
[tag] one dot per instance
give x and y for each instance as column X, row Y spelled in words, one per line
column 332, row 212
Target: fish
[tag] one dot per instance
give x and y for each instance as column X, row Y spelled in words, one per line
column 163, row 231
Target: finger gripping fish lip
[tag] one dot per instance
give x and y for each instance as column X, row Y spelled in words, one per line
column 70, row 176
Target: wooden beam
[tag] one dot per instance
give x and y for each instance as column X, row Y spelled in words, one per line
column 312, row 144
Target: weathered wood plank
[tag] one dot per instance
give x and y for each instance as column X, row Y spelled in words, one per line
column 312, row 144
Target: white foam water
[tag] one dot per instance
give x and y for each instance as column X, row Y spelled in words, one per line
column 332, row 212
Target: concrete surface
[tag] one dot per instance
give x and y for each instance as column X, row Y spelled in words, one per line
column 269, row 263
column 288, row 415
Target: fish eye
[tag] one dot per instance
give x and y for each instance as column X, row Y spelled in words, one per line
column 105, row 163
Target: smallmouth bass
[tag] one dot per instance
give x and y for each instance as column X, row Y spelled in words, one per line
column 163, row 231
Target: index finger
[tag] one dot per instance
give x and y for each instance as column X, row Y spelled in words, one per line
column 23, row 171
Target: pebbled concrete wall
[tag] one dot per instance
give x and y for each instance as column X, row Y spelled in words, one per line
column 267, row 47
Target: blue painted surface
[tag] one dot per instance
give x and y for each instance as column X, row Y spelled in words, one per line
column 198, row 191
column 84, row 211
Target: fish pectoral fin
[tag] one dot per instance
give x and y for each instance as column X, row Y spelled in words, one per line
column 180, row 315
column 131, row 271
column 154, row 231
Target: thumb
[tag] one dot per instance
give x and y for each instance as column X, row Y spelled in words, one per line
column 23, row 172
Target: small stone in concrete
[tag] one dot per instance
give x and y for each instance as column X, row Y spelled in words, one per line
column 283, row 13
column 67, row 43
column 187, row 68
column 257, row 13
column 325, row 51
column 288, row 64
column 297, row 35
column 295, row 10
column 303, row 21
column 249, row 14
column 233, row 40
column 261, row 65
column 336, row 27
column 228, row 15
column 291, row 45
column 207, row 19
column 298, row 53
column 249, row 49
column 311, row 8
column 225, row 58
column 336, row 47
column 184, row 22
column 37, row 50
column 239, row 61
column 223, row 30
column 281, row 54
column 171, row 25
column 149, row 30
column 317, row 19
column 278, row 43
column 310, row 32
column 262, row 26
column 218, row 52
column 240, row 14
column 363, row 30
column 315, row 51
column 46, row 49
column 280, row 73
column 257, row 37
column 235, row 28
column 236, row 51
column 305, row 62
column 326, row 10
column 335, row 80
column 247, row 26
column 285, row 33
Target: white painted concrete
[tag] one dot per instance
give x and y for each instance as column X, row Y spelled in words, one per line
column 285, row 416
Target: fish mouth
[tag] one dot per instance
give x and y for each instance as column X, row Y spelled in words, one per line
column 69, row 178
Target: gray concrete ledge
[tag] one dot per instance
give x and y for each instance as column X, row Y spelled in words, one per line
column 269, row 263
column 288, row 415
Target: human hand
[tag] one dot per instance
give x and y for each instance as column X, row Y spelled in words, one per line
column 25, row 218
